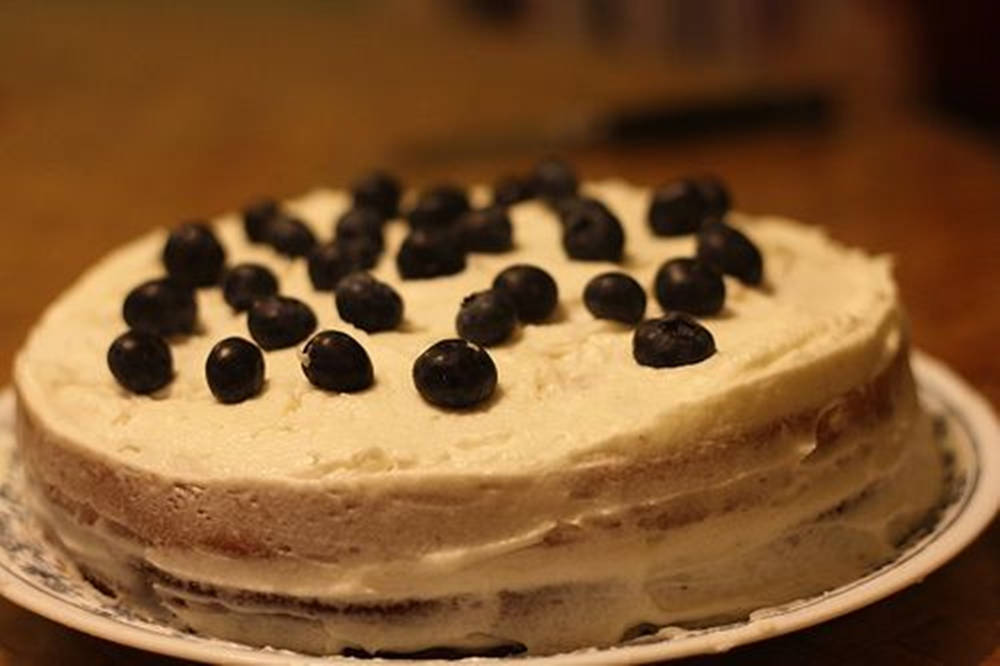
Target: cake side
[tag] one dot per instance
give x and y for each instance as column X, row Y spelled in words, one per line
column 857, row 478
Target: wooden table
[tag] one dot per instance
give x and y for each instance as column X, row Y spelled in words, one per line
column 117, row 119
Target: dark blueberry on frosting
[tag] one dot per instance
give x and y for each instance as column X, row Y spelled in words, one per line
column 591, row 232
column 615, row 296
column 486, row 318
column 290, row 236
column 532, row 291
column 511, row 190
column 280, row 321
column 193, row 255
column 360, row 225
column 256, row 218
column 553, row 179
column 455, row 373
column 487, row 230
column 330, row 262
column 427, row 253
column 727, row 250
column 689, row 285
column 677, row 208
column 334, row 361
column 715, row 195
column 235, row 370
column 378, row 190
column 569, row 207
column 439, row 206
column 671, row 341
column 162, row 307
column 246, row 283
column 363, row 250
column 368, row 304
column 141, row 362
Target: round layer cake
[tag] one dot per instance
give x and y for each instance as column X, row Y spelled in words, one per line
column 588, row 499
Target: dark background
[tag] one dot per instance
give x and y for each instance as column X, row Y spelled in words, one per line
column 876, row 119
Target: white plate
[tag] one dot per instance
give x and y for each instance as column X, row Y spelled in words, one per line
column 39, row 578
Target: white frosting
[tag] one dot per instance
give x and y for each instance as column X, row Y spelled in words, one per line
column 569, row 390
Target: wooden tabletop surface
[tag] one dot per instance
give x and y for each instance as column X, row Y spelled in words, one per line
column 116, row 119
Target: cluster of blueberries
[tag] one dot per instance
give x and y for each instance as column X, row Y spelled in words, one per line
column 453, row 373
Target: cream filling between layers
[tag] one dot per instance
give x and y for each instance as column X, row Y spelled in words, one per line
column 569, row 390
column 656, row 530
column 877, row 485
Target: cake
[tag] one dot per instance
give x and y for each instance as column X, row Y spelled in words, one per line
column 589, row 497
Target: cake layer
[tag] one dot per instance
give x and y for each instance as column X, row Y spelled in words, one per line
column 352, row 526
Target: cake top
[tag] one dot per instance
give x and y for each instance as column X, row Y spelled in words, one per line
column 569, row 389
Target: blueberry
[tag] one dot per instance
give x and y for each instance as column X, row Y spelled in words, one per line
column 689, row 285
column 486, row 230
column 455, row 373
column 378, row 190
column 246, row 283
column 615, row 296
column 486, row 318
column 439, row 206
column 141, row 362
column 553, row 179
column 727, row 250
column 162, row 307
column 330, row 262
column 279, row 321
column 569, row 207
column 334, row 361
column 368, row 304
column 235, row 370
column 193, row 255
column 511, row 190
column 256, row 218
column 532, row 291
column 427, row 253
column 591, row 232
column 670, row 341
column 360, row 225
column 290, row 236
column 715, row 195
column 677, row 208
column 364, row 251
